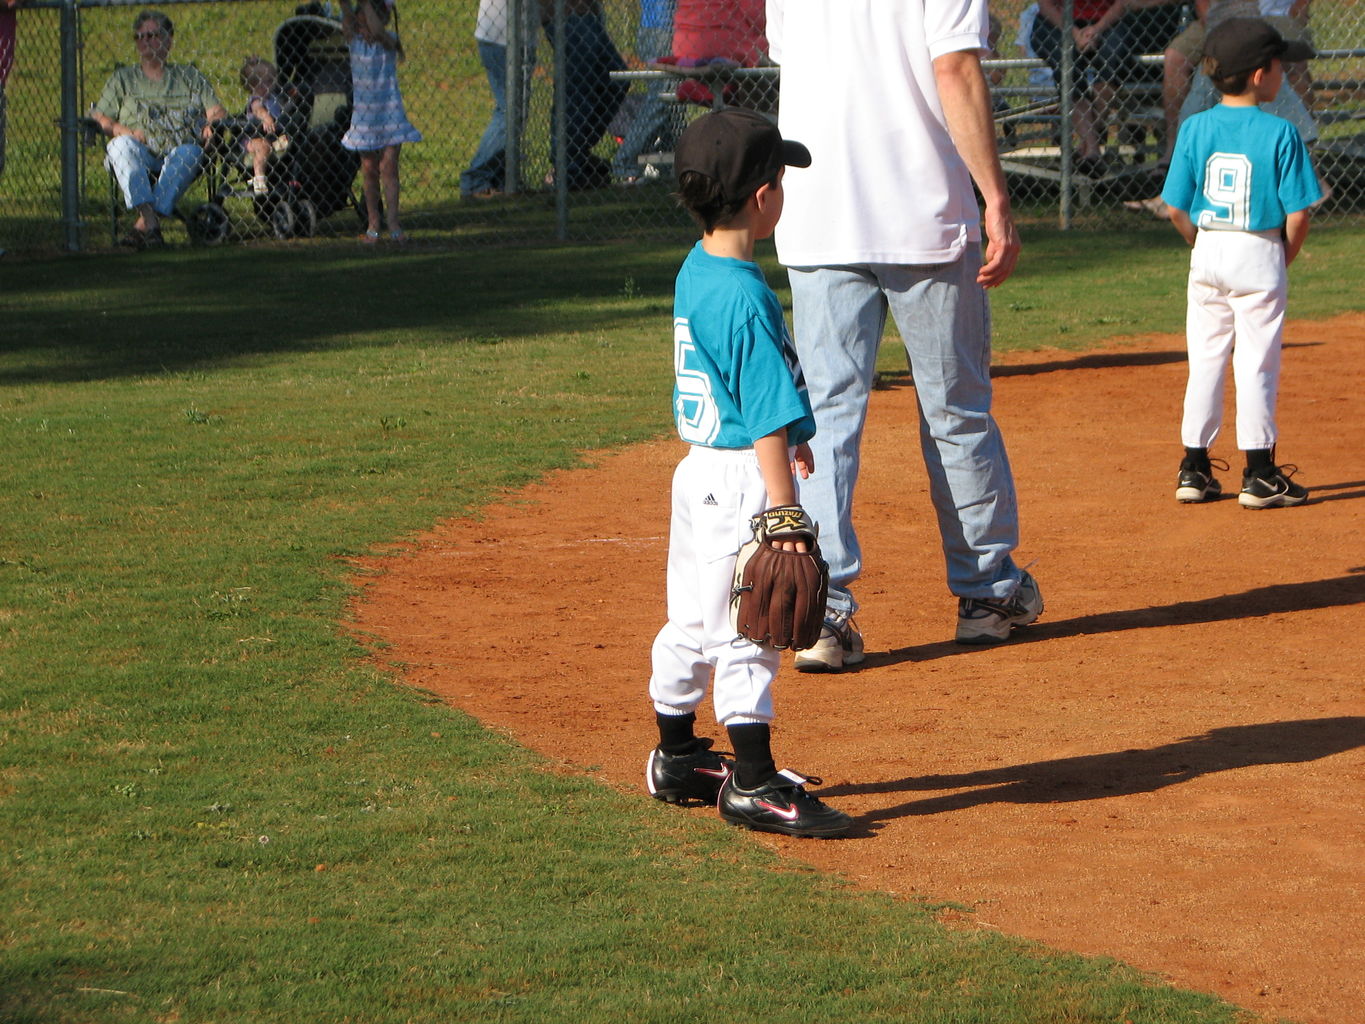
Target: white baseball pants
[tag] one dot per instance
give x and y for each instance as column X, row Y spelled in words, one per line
column 715, row 493
column 1237, row 294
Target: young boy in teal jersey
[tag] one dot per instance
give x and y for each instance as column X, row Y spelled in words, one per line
column 1240, row 187
column 740, row 402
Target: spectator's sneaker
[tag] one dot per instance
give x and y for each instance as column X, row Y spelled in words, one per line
column 1197, row 482
column 781, row 805
column 1273, row 491
column 682, row 778
column 839, row 646
column 989, row 622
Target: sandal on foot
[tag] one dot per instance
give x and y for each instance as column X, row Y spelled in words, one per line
column 369, row 238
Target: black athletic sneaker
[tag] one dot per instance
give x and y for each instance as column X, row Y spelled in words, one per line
column 1273, row 491
column 781, row 805
column 686, row 778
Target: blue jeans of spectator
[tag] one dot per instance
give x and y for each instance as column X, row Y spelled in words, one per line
column 654, row 119
column 132, row 163
column 488, row 169
column 943, row 316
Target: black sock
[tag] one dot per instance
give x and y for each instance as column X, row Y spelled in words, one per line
column 1260, row 461
column 675, row 733
column 1196, row 458
column 753, row 754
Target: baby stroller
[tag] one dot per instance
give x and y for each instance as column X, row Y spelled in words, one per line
column 309, row 174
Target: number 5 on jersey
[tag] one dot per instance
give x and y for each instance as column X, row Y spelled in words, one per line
column 695, row 406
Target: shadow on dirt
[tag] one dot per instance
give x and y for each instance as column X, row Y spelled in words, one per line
column 1280, row 598
column 1121, row 772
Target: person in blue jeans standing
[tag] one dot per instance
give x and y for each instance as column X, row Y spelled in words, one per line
column 887, row 222
column 485, row 178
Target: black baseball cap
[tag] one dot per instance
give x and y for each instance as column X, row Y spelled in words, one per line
column 1245, row 44
column 738, row 149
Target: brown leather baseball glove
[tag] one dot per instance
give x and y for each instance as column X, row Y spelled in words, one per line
column 778, row 598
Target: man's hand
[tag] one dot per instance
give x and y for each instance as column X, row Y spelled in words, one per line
column 1002, row 247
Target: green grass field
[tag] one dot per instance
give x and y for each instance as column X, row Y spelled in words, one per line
column 213, row 807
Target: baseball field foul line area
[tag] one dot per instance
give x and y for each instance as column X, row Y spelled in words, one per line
column 1165, row 769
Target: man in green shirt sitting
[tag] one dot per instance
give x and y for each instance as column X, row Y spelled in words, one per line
column 155, row 115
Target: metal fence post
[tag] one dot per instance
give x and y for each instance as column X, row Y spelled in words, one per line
column 560, row 128
column 70, row 174
column 1064, row 111
column 516, row 58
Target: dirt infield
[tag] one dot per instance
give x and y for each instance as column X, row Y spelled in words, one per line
column 1166, row 769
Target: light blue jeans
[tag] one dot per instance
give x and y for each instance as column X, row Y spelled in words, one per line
column 839, row 315
column 132, row 163
column 488, row 168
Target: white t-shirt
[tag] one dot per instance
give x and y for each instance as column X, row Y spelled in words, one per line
column 491, row 25
column 886, row 184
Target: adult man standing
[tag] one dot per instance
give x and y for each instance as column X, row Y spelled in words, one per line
column 891, row 99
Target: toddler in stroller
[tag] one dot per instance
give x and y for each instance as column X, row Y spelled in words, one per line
column 262, row 135
column 284, row 154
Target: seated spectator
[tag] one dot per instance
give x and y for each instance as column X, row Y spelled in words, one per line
column 1104, row 59
column 1182, row 56
column 156, row 115
column 704, row 32
column 654, row 125
column 1038, row 77
column 263, row 112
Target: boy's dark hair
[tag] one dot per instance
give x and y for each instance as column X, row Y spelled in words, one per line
column 1230, row 85
column 702, row 197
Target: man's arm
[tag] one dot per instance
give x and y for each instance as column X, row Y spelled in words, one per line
column 966, row 103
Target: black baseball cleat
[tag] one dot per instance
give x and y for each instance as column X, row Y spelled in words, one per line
column 781, row 805
column 1195, row 486
column 1274, row 490
column 687, row 778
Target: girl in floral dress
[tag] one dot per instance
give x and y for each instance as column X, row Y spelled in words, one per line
column 379, row 125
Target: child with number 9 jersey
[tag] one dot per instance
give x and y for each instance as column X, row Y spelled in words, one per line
column 740, row 402
column 1240, row 187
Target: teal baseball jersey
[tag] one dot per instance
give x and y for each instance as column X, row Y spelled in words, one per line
column 1239, row 169
column 736, row 375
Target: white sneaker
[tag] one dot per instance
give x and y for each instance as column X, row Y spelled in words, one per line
column 839, row 645
column 989, row 622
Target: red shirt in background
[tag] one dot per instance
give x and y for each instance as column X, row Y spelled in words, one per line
column 732, row 29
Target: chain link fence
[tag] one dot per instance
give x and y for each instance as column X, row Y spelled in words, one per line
column 513, row 150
